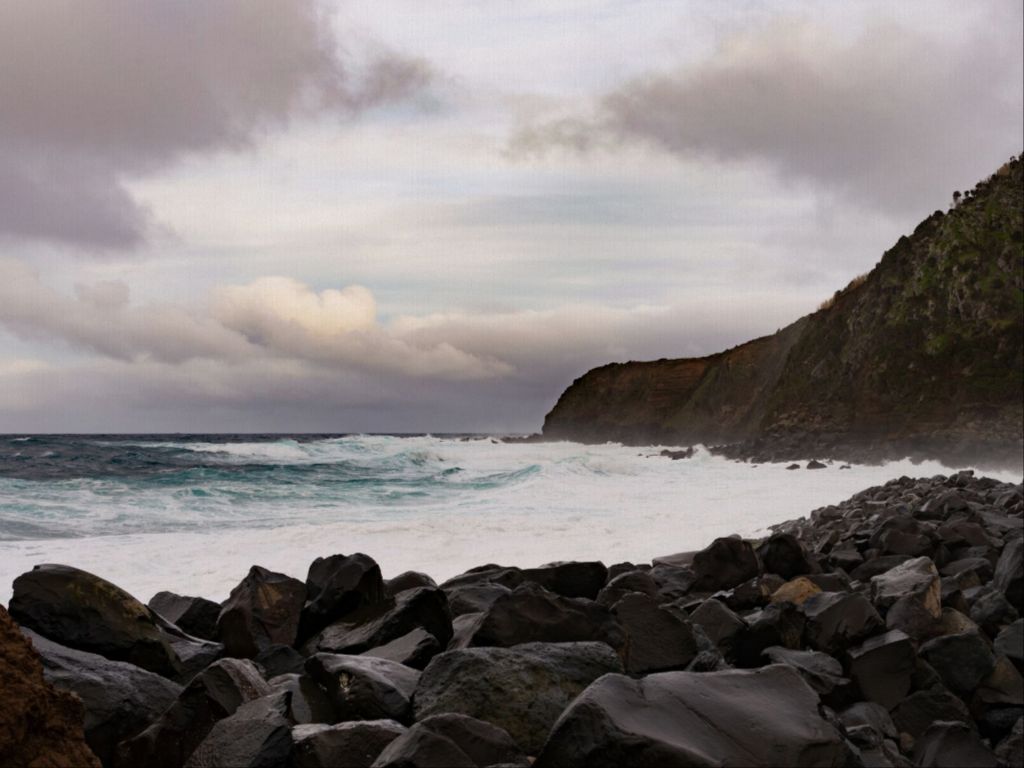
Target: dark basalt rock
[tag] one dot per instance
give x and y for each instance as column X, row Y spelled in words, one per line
column 407, row 580
column 814, row 464
column 876, row 565
column 376, row 625
column 1002, row 687
column 719, row 622
column 257, row 735
column 783, row 554
column 280, row 660
column 531, row 614
column 992, row 611
column 522, row 690
column 452, row 740
column 962, row 661
column 307, row 702
column 838, row 620
column 871, row 715
column 263, row 610
column 474, row 598
column 355, row 744
column 1009, row 573
column 952, row 745
column 911, row 594
column 882, row 667
column 657, row 638
column 674, row 581
column 725, row 563
column 1010, row 643
column 487, row 574
column 780, row 624
column 364, row 687
column 82, row 611
column 120, row 699
column 415, row 649
column 754, row 593
column 572, row 579
column 920, row 709
column 1010, row 751
column 214, row 694
column 195, row 615
column 822, row 672
column 763, row 717
column 338, row 585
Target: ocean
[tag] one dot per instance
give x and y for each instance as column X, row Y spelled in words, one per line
column 192, row 513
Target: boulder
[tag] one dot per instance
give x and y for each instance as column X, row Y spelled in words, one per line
column 307, row 702
column 795, row 591
column 39, row 724
column 213, row 694
column 952, row 745
column 920, row 709
column 784, row 555
column 882, row 667
column 820, row 671
column 674, row 582
column 193, row 654
column 263, row 610
column 364, row 687
column 720, row 624
column 1003, row 687
column 407, row 580
column 522, row 690
column 763, row 717
column 871, row 715
column 338, row 585
column 779, row 624
column 195, row 615
column 1010, row 643
column 83, row 611
column 725, row 563
column 1009, row 574
column 838, row 620
column 876, row 566
column 120, row 699
column 753, row 593
column 280, row 660
column 256, row 735
column 487, row 574
column 992, row 611
column 532, row 614
column 414, row 649
column 571, row 579
column 474, row 598
column 657, row 638
column 624, row 583
column 375, row 625
column 962, row 660
column 451, row 739
column 1010, row 751
column 354, row 744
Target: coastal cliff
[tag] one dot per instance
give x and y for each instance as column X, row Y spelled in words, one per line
column 921, row 356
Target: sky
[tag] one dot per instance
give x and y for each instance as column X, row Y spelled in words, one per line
column 397, row 216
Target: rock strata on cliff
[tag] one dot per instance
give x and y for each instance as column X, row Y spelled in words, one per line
column 923, row 355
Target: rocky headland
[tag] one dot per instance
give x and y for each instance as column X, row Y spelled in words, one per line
column 884, row 631
column 922, row 357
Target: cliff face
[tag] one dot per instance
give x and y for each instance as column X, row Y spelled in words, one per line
column 923, row 355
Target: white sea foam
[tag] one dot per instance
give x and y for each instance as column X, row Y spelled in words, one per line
column 445, row 505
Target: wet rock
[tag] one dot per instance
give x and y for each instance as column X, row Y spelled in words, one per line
column 1010, row 643
column 193, row 654
column 522, row 690
column 952, row 745
column 195, row 615
column 1009, row 573
column 763, row 717
column 280, row 660
column 39, row 724
column 120, row 699
column 408, row 580
column 532, row 614
column 657, row 638
column 339, row 585
column 354, row 744
column 814, row 464
column 726, row 563
column 83, row 611
column 882, row 667
column 376, row 625
column 474, row 598
column 452, row 739
column 257, row 734
column 719, row 623
column 624, row 583
column 487, row 574
column 414, row 649
column 307, row 702
column 920, row 709
column 780, row 624
column 570, row 579
column 212, row 695
column 820, row 671
column 364, row 687
column 783, row 554
column 263, row 610
column 795, row 591
column 962, row 661
column 838, row 620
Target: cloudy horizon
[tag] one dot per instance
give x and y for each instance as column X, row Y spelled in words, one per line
column 360, row 216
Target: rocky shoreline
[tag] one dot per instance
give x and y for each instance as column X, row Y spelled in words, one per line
column 884, row 631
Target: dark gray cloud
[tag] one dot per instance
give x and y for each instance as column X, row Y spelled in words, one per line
column 893, row 119
column 97, row 91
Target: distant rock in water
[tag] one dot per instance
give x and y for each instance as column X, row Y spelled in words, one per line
column 923, row 356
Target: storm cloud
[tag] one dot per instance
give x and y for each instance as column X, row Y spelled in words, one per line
column 97, row 92
column 884, row 119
